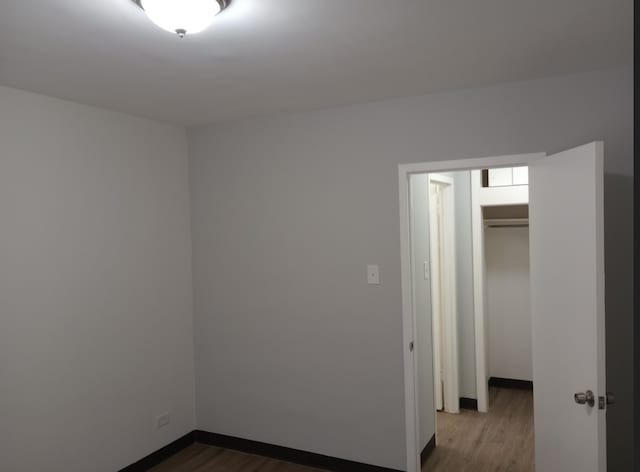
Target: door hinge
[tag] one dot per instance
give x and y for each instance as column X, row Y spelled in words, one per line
column 411, row 346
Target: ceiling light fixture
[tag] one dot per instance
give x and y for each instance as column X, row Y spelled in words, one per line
column 182, row 16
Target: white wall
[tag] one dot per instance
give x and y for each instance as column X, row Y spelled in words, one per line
column 420, row 253
column 293, row 347
column 95, row 286
column 508, row 312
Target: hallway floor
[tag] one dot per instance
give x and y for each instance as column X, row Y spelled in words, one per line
column 501, row 440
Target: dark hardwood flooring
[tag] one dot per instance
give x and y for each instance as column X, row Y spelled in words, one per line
column 203, row 458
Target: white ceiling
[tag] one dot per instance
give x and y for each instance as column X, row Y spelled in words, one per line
column 270, row 56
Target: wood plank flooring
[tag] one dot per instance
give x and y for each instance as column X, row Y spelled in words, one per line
column 203, row 458
column 498, row 441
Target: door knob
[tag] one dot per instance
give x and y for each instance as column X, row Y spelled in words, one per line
column 585, row 398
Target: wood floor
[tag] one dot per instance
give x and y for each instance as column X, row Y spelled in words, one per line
column 202, row 458
column 498, row 441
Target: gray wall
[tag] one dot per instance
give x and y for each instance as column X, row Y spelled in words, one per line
column 292, row 346
column 96, row 327
column 464, row 285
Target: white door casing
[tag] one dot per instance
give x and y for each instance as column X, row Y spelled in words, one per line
column 479, row 312
column 432, row 267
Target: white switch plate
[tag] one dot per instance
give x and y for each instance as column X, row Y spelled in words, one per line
column 163, row 420
column 373, row 274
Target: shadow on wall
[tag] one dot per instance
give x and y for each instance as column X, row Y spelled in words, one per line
column 618, row 203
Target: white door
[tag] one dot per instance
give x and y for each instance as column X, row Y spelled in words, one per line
column 567, row 308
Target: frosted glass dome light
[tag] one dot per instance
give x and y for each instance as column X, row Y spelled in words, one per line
column 182, row 16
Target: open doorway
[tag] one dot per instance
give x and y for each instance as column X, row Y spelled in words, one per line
column 565, row 329
column 500, row 247
column 499, row 240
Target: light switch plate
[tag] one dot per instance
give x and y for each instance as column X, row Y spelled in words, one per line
column 373, row 274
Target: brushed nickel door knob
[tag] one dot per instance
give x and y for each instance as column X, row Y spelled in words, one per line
column 585, row 398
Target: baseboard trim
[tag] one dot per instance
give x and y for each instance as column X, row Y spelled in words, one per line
column 468, row 403
column 428, row 449
column 510, row 383
column 262, row 449
column 161, row 454
column 286, row 454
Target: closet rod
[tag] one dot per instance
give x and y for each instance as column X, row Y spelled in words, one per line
column 507, row 222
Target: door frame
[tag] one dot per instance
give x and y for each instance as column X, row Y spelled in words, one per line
column 408, row 313
column 449, row 328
